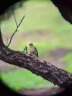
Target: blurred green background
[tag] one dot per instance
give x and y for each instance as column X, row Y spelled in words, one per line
column 43, row 26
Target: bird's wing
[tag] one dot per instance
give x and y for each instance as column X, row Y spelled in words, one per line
column 25, row 49
column 36, row 51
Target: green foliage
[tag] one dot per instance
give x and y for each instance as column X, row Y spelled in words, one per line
column 68, row 61
column 23, row 79
column 39, row 16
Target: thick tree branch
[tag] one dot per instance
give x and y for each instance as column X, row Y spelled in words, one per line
column 39, row 67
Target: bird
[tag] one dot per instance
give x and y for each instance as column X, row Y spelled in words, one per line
column 33, row 50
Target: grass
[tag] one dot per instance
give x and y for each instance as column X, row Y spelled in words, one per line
column 23, row 79
column 68, row 60
column 43, row 26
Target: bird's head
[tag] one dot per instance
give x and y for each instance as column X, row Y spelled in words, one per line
column 31, row 45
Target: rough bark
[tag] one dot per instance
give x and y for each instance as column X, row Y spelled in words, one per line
column 37, row 66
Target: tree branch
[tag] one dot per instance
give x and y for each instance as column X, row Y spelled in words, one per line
column 15, row 31
column 39, row 67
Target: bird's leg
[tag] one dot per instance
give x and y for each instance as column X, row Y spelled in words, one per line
column 31, row 54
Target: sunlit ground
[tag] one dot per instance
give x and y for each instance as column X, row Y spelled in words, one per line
column 43, row 26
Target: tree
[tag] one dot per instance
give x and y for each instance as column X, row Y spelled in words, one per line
column 37, row 66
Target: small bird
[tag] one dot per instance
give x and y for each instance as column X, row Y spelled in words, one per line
column 33, row 50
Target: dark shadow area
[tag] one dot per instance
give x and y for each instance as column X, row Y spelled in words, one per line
column 5, row 91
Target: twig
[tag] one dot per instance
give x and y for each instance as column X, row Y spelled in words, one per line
column 15, row 31
column 15, row 22
column 7, row 42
